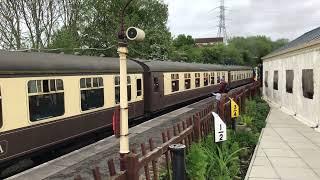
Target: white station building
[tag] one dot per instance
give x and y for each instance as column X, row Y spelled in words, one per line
column 291, row 78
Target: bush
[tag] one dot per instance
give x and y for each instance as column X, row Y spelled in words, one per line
column 197, row 162
column 245, row 139
column 258, row 109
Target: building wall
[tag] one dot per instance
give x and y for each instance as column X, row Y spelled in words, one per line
column 307, row 110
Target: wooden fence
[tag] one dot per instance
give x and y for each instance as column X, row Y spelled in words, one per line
column 153, row 159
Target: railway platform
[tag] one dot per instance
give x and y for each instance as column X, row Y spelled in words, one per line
column 81, row 161
column 287, row 149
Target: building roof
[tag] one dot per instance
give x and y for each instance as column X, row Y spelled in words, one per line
column 301, row 41
column 208, row 40
column 48, row 63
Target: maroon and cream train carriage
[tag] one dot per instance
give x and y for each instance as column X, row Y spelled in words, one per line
column 170, row 83
column 48, row 99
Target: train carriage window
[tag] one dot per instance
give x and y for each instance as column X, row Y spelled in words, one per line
column 45, row 101
column 289, row 81
column 174, row 82
column 266, row 79
column 139, row 87
column 117, row 88
column 275, row 80
column 32, row 86
column 91, row 97
column 205, row 79
column 88, row 82
column 223, row 76
column 307, row 83
column 95, row 82
column 187, row 81
column 197, row 79
column 45, row 84
column 212, row 78
column 156, row 84
column 218, row 77
column 52, row 85
column 129, row 88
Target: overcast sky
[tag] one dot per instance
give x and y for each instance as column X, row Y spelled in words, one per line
column 274, row 18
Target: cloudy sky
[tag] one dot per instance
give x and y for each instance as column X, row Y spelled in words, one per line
column 274, row 18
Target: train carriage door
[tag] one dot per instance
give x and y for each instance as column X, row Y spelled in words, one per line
column 157, row 90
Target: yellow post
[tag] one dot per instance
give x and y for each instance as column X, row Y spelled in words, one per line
column 124, row 127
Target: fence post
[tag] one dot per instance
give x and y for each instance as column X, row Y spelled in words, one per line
column 221, row 106
column 197, row 128
column 132, row 166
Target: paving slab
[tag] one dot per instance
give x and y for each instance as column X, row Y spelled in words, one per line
column 263, row 172
column 287, row 150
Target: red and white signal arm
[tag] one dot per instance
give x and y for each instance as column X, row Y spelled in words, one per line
column 220, row 128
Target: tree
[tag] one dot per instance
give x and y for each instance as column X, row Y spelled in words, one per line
column 150, row 15
column 10, row 26
column 65, row 38
column 182, row 41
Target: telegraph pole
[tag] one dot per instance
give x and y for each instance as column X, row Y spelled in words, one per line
column 222, row 31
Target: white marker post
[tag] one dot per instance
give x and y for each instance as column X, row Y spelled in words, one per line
column 220, row 128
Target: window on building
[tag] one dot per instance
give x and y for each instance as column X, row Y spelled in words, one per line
column 212, row 78
column 205, row 79
column 46, row 99
column 174, row 82
column 92, row 95
column 307, row 83
column 155, row 84
column 139, row 87
column 275, row 80
column 218, row 77
column 187, row 81
column 197, row 79
column 289, row 81
column 266, row 79
column 117, row 88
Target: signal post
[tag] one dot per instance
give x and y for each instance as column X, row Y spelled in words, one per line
column 132, row 34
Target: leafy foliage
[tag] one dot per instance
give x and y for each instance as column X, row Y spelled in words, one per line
column 258, row 110
column 209, row 160
column 239, row 51
column 223, row 161
column 197, row 162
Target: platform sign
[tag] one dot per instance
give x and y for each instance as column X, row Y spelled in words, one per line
column 220, row 128
column 234, row 109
